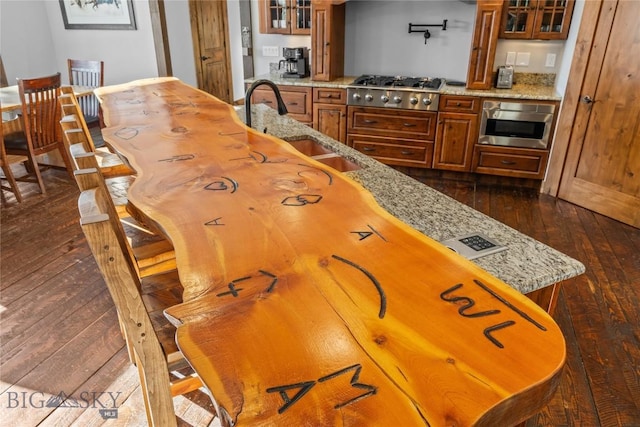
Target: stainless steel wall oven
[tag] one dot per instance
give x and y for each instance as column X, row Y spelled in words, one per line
column 516, row 124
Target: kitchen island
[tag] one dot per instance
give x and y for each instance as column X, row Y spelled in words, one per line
column 305, row 301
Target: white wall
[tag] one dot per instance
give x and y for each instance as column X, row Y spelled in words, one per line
column 235, row 47
column 563, row 72
column 35, row 42
column 537, row 49
column 378, row 40
column 180, row 41
column 24, row 27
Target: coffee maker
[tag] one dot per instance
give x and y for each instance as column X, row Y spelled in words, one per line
column 295, row 62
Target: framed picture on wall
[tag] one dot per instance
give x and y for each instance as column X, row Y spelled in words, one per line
column 98, row 14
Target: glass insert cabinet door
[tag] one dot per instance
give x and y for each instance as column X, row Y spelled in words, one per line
column 302, row 10
column 536, row 19
column 286, row 16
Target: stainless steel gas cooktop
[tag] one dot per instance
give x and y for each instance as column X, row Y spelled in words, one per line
column 411, row 93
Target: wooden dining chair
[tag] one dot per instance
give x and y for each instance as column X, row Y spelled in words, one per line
column 89, row 74
column 140, row 304
column 6, row 160
column 41, row 133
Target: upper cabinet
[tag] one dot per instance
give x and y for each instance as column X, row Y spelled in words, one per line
column 484, row 44
column 327, row 40
column 536, row 19
column 285, row 16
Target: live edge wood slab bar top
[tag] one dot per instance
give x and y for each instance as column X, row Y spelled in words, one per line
column 305, row 302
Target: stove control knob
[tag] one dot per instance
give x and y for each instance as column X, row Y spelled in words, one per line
column 397, row 99
column 356, row 97
column 426, row 101
column 413, row 100
column 368, row 97
column 384, row 98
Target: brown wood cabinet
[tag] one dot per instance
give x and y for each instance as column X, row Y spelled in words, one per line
column 484, row 43
column 510, row 161
column 536, row 19
column 394, row 137
column 297, row 99
column 327, row 40
column 330, row 112
column 457, row 132
column 285, row 16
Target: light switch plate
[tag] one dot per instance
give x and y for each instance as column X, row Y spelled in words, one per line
column 270, row 51
column 522, row 59
column 551, row 60
column 511, row 58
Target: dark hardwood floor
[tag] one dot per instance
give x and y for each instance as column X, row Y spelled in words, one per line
column 59, row 332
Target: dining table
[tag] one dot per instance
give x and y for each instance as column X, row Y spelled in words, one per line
column 304, row 301
column 10, row 96
column 11, row 105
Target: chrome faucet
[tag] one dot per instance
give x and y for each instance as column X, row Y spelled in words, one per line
column 282, row 109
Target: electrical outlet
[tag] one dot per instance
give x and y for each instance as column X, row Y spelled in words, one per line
column 511, row 58
column 270, row 51
column 551, row 60
column 522, row 59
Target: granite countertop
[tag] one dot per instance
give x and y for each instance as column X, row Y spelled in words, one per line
column 527, row 265
column 523, row 90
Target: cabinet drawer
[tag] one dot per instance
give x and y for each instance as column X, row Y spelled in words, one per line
column 391, row 123
column 515, row 162
column 329, row 95
column 459, row 104
column 393, row 151
column 297, row 100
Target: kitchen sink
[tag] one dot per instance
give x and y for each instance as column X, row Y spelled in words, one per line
column 310, row 147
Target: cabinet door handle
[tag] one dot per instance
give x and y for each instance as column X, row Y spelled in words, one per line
column 368, row 149
column 507, row 162
column 266, row 101
column 409, row 125
column 329, row 96
column 406, row 153
column 370, row 122
column 292, row 103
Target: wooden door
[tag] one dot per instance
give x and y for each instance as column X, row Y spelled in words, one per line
column 601, row 116
column 209, row 28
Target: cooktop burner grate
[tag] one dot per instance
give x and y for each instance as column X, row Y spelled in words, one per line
column 398, row 81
